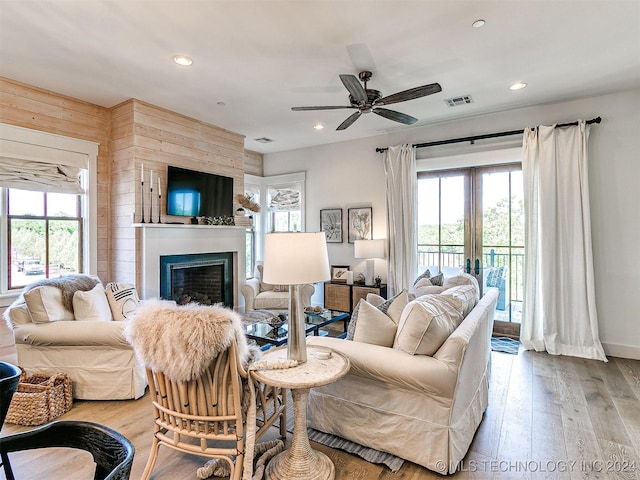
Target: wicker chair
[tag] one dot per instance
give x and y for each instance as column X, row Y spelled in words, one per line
column 205, row 417
column 112, row 452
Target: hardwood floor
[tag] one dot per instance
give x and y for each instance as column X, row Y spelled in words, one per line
column 548, row 418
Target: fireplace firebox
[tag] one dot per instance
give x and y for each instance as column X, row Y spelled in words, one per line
column 204, row 278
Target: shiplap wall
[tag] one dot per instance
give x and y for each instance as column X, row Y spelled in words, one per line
column 253, row 163
column 30, row 107
column 149, row 135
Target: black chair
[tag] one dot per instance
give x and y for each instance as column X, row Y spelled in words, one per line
column 111, row 451
column 9, row 379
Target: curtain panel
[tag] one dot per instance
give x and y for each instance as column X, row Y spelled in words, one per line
column 559, row 309
column 401, row 185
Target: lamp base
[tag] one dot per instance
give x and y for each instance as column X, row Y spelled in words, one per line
column 369, row 271
column 296, row 341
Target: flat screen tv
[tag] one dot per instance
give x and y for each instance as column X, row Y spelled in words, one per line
column 198, row 194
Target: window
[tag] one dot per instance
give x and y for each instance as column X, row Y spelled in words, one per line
column 44, row 235
column 285, row 208
column 48, row 212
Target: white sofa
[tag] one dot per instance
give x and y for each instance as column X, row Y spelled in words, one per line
column 423, row 408
column 264, row 296
column 90, row 349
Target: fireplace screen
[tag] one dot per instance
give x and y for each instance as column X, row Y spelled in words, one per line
column 205, row 278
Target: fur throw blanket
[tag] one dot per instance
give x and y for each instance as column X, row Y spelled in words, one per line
column 182, row 341
column 68, row 284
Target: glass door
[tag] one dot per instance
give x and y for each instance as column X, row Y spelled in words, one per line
column 472, row 220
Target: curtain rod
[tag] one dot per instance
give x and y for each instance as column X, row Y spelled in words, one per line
column 486, row 135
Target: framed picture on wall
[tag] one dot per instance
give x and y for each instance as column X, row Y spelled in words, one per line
column 331, row 224
column 339, row 273
column 359, row 226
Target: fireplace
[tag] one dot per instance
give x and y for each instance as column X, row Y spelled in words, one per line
column 204, row 278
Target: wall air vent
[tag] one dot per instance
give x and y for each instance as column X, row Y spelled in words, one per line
column 263, row 140
column 456, row 101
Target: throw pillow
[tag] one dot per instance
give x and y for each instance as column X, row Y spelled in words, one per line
column 495, row 276
column 92, row 305
column 466, row 294
column 463, row 279
column 281, row 288
column 437, row 280
column 45, row 305
column 398, row 302
column 123, row 300
column 374, row 327
column 426, row 323
column 426, row 274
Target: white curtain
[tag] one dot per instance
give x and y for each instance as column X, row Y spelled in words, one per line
column 559, row 309
column 401, row 185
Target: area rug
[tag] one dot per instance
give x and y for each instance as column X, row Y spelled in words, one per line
column 332, row 441
column 505, row 345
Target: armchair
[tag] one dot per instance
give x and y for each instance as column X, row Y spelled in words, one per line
column 264, row 296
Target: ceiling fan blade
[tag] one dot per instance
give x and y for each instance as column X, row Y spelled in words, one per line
column 395, row 116
column 355, row 88
column 303, row 109
column 410, row 94
column 349, row 121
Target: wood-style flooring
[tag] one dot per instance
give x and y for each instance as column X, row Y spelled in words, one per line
column 548, row 418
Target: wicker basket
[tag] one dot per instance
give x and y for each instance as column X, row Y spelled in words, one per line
column 40, row 398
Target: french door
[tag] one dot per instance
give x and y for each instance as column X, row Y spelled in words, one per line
column 472, row 220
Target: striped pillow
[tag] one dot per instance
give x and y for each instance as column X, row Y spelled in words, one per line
column 123, row 299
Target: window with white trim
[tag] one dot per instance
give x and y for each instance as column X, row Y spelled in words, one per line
column 47, row 198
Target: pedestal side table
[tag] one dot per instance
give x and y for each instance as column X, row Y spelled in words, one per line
column 300, row 461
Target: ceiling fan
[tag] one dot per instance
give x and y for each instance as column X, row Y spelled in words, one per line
column 367, row 100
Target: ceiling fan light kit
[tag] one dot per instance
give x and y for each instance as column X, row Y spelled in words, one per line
column 367, row 100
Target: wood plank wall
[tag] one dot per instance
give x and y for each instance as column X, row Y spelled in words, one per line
column 253, row 163
column 144, row 133
column 30, row 107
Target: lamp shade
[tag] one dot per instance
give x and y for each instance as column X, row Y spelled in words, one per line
column 369, row 249
column 295, row 258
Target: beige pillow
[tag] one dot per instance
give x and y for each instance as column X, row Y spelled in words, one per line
column 467, row 296
column 92, row 305
column 462, row 279
column 426, row 323
column 123, row 300
column 392, row 308
column 374, row 327
column 45, row 305
column 18, row 314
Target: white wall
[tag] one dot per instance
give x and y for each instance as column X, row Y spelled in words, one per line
column 350, row 174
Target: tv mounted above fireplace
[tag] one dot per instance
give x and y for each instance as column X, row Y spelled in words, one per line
column 198, row 194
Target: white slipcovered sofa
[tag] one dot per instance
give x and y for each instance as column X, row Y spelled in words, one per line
column 413, row 395
column 85, row 341
column 264, row 296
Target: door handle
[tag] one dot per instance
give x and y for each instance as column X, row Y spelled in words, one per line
column 468, row 267
column 477, row 266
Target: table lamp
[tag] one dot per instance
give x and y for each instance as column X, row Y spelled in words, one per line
column 369, row 249
column 295, row 259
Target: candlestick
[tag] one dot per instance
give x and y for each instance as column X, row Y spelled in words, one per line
column 142, row 198
column 151, row 201
column 159, row 207
column 159, row 186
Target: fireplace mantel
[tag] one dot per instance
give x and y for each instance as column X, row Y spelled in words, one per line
column 158, row 239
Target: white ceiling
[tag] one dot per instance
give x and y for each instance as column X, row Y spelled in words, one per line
column 260, row 58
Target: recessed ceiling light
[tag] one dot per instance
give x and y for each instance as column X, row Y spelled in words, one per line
column 182, row 60
column 478, row 23
column 517, row 86
column 318, row 126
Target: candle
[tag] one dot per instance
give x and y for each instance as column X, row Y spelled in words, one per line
column 151, row 180
column 159, row 188
column 142, row 172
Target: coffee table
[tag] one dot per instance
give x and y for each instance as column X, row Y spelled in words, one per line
column 263, row 333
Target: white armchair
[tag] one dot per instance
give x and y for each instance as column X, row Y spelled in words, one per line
column 264, row 296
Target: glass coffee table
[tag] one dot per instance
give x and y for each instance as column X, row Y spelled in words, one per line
column 263, row 333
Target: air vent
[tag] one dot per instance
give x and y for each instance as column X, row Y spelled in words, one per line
column 263, row 140
column 456, row 101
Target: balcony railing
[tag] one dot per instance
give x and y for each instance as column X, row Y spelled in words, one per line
column 515, row 266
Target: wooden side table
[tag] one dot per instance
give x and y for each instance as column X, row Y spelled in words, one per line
column 344, row 297
column 300, row 461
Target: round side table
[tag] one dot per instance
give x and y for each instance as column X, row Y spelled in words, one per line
column 300, row 461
